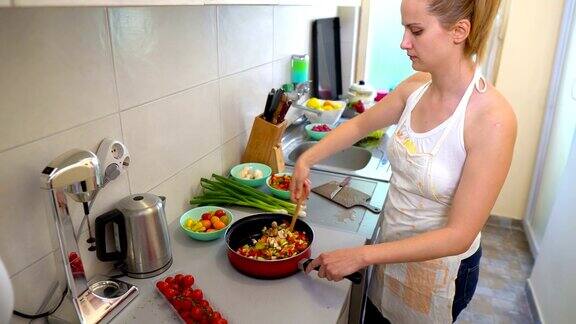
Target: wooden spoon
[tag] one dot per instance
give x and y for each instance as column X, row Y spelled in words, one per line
column 295, row 216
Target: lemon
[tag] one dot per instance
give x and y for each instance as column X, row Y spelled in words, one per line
column 314, row 103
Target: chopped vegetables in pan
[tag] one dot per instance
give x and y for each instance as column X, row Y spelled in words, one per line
column 277, row 242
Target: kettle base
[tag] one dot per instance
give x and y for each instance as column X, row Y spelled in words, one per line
column 150, row 274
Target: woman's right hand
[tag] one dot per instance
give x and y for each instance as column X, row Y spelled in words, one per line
column 300, row 184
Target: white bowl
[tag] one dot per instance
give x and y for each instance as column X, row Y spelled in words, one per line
column 329, row 117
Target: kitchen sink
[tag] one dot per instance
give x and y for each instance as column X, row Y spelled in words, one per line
column 353, row 161
column 352, row 158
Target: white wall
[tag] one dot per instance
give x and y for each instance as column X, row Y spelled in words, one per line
column 348, row 38
column 558, row 148
column 553, row 279
column 180, row 86
column 523, row 78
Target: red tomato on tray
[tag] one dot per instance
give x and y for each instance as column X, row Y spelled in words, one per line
column 188, row 302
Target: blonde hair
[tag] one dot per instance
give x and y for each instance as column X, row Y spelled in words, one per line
column 480, row 13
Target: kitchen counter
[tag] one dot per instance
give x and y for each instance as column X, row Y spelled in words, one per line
column 241, row 299
column 358, row 220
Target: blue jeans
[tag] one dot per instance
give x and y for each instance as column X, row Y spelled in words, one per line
column 466, row 282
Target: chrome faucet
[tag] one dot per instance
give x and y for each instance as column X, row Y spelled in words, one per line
column 302, row 89
column 76, row 174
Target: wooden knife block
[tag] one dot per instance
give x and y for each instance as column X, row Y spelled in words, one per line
column 264, row 144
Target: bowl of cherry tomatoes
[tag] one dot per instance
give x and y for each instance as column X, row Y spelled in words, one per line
column 206, row 223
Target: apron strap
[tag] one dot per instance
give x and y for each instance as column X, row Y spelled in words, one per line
column 412, row 102
column 461, row 108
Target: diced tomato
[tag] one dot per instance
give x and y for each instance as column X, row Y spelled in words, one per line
column 281, row 182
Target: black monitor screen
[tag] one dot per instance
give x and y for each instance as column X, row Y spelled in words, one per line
column 327, row 70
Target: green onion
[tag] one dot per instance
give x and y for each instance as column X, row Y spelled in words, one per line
column 224, row 191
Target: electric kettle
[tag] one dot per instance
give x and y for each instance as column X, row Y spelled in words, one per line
column 141, row 242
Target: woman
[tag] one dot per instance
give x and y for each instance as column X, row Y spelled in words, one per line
column 450, row 155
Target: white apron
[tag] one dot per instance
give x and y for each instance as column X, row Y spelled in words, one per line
column 426, row 169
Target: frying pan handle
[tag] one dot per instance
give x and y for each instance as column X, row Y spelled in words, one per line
column 355, row 277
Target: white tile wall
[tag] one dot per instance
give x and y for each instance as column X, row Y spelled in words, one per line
column 232, row 151
column 292, row 30
column 190, row 81
column 56, row 72
column 243, row 97
column 167, row 135
column 159, row 51
column 45, row 275
column 245, row 37
column 186, row 184
column 281, row 72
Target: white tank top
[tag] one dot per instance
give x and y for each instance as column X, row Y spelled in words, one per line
column 426, row 170
column 426, row 175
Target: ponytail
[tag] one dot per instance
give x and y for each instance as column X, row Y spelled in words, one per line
column 480, row 13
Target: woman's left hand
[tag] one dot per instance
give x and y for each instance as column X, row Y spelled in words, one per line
column 336, row 264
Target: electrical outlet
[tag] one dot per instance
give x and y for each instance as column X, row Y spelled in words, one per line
column 114, row 158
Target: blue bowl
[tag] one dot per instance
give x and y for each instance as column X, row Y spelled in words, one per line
column 266, row 172
column 196, row 214
column 282, row 194
column 314, row 134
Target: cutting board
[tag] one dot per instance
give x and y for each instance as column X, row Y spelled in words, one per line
column 347, row 197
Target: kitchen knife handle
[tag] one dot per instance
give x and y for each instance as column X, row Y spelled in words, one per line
column 355, row 277
column 268, row 105
column 345, row 182
column 341, row 185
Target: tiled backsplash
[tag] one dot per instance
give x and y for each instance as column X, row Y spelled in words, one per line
column 179, row 86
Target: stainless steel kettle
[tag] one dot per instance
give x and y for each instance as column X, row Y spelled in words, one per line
column 142, row 242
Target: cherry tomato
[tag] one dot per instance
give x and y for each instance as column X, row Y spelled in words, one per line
column 196, row 313
column 197, row 294
column 208, row 309
column 177, row 304
column 188, row 293
column 162, row 286
column 170, row 293
column 169, row 280
column 206, row 216
column 188, row 281
column 186, row 304
column 178, row 278
column 219, row 213
column 204, row 303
